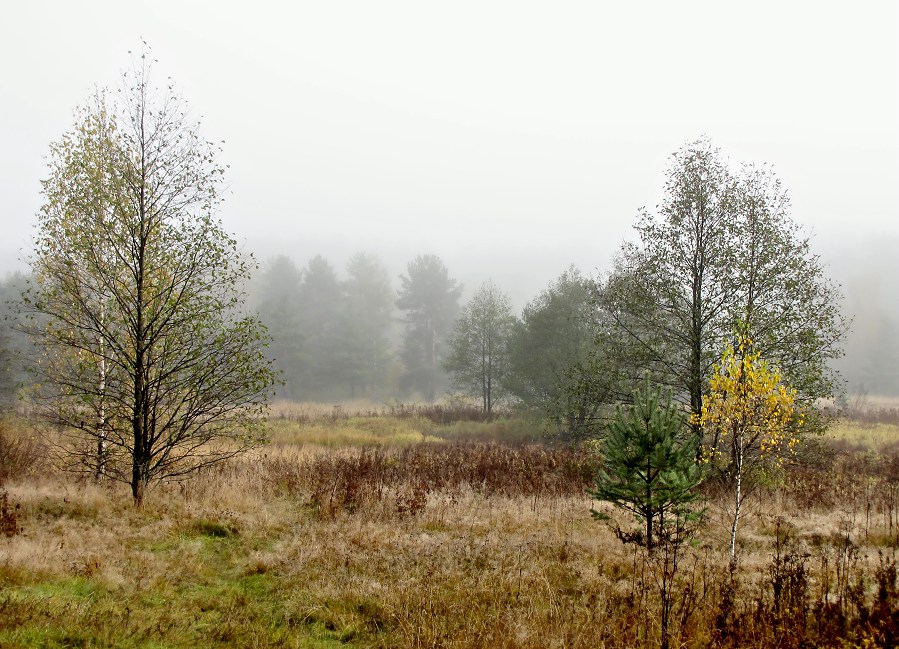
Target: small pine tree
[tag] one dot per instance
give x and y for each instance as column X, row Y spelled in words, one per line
column 650, row 469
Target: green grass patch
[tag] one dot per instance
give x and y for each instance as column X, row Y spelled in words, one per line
column 869, row 436
column 354, row 431
column 400, row 432
column 213, row 529
column 247, row 610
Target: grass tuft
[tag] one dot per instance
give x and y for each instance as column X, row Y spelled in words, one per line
column 213, row 529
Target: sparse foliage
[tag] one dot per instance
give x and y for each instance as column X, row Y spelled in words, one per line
column 15, row 346
column 478, row 359
column 148, row 364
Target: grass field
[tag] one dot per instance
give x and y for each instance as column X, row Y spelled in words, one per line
column 396, row 531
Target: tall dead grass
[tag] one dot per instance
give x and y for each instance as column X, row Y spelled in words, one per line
column 462, row 544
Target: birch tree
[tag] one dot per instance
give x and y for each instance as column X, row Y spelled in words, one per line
column 750, row 419
column 149, row 367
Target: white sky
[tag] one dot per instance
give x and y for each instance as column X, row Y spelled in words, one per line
column 511, row 138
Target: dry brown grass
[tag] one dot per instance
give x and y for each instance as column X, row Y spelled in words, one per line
column 436, row 545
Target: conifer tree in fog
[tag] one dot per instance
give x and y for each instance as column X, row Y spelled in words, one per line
column 279, row 308
column 321, row 304
column 367, row 317
column 430, row 299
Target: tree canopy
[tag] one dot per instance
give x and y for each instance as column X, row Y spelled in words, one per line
column 562, row 360
column 749, row 419
column 320, row 301
column 722, row 252
column 279, row 308
column 367, row 319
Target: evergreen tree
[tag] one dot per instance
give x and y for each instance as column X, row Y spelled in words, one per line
column 368, row 315
column 430, row 298
column 279, row 309
column 321, row 308
column 650, row 468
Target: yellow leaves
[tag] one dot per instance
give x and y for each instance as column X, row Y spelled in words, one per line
column 748, row 404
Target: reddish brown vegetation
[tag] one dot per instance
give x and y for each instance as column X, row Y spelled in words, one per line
column 354, row 478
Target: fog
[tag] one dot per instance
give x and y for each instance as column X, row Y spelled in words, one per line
column 511, row 140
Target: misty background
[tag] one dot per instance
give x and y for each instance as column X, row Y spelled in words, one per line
column 512, row 140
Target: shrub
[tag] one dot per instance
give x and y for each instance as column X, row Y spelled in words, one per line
column 19, row 454
column 352, row 479
column 9, row 517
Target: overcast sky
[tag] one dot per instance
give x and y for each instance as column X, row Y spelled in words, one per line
column 510, row 138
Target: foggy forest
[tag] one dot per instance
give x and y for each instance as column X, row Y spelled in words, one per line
column 308, row 305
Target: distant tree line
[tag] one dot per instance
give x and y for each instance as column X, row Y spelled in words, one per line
column 339, row 338
column 719, row 258
column 357, row 336
column 719, row 255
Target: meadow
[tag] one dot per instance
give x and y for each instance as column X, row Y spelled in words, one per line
column 415, row 527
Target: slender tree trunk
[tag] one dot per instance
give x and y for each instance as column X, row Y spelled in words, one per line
column 666, row 611
column 101, row 451
column 738, row 499
column 139, row 468
column 488, row 380
column 649, row 508
column 101, row 419
column 698, row 304
column 139, row 433
column 739, row 452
